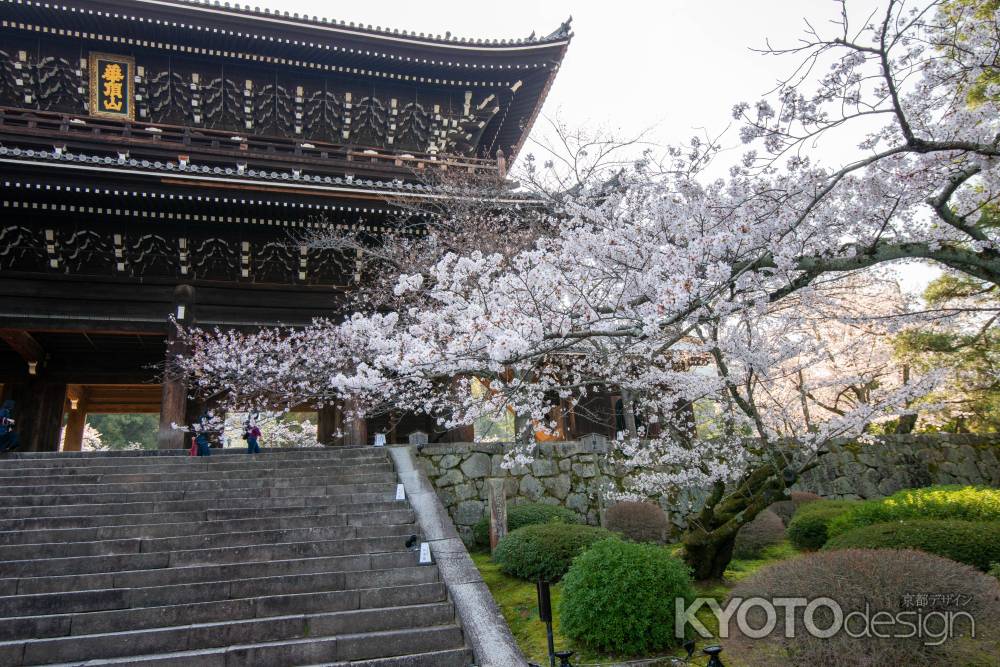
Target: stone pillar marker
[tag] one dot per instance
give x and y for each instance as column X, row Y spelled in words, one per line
column 498, row 511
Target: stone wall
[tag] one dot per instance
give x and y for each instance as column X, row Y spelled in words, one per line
column 855, row 470
column 575, row 474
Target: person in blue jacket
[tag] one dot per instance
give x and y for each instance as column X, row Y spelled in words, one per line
column 8, row 436
column 201, row 438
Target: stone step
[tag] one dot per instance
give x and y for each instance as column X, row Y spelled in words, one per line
column 316, row 652
column 193, row 516
column 143, row 561
column 99, row 611
column 252, row 468
column 219, row 457
column 253, row 472
column 203, row 527
column 207, row 494
column 199, row 542
column 196, row 485
column 368, row 640
column 196, row 505
column 206, row 573
column 154, row 558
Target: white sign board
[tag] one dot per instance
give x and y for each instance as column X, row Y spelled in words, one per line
column 425, row 553
column 400, row 492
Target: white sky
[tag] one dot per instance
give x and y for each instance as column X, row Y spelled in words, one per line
column 677, row 66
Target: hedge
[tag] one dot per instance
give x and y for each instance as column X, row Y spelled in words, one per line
column 526, row 514
column 808, row 528
column 967, row 503
column 545, row 550
column 975, row 543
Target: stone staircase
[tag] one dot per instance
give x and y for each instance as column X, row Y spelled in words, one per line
column 288, row 558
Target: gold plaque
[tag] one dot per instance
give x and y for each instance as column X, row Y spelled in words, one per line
column 112, row 86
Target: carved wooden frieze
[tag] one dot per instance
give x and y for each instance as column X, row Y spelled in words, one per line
column 63, row 76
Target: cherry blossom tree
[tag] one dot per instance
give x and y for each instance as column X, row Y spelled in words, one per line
column 852, row 323
column 671, row 288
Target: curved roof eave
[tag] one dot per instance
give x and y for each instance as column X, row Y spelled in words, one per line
column 558, row 38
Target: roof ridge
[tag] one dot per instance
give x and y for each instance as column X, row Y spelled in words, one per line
column 563, row 32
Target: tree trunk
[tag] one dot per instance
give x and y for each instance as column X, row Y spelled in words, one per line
column 708, row 554
column 906, row 423
column 711, row 536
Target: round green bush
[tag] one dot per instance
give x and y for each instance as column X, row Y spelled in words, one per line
column 637, row 521
column 765, row 530
column 975, row 543
column 876, row 583
column 526, row 514
column 808, row 528
column 967, row 503
column 619, row 597
column 544, row 550
column 786, row 509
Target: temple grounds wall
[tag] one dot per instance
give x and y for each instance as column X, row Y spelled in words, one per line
column 575, row 473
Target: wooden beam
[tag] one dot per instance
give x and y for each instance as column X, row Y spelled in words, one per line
column 124, row 399
column 26, row 346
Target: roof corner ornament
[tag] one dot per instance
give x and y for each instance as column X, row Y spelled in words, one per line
column 564, row 31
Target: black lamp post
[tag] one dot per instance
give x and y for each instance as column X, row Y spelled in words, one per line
column 545, row 615
column 713, row 655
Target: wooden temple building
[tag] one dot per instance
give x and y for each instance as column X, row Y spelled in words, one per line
column 157, row 156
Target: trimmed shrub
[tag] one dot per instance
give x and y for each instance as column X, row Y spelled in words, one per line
column 544, row 550
column 619, row 597
column 967, row 503
column 975, row 543
column 808, row 528
column 639, row 522
column 786, row 508
column 765, row 529
column 526, row 514
column 870, row 581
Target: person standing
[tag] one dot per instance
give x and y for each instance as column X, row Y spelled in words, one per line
column 8, row 437
column 201, row 438
column 251, row 433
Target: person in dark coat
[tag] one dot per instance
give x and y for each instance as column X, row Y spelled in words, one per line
column 201, row 438
column 8, row 436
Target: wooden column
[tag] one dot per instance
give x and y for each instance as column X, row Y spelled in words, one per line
column 39, row 414
column 76, row 419
column 174, row 403
column 329, row 430
column 356, row 431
